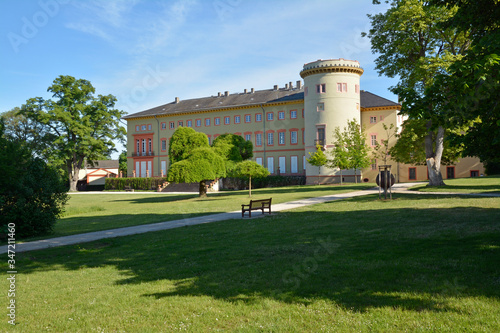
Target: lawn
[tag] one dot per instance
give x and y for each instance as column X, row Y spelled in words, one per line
column 489, row 184
column 93, row 212
column 415, row 263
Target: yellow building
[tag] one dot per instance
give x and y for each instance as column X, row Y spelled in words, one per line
column 284, row 125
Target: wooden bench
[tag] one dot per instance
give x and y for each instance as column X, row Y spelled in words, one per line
column 256, row 205
column 129, row 189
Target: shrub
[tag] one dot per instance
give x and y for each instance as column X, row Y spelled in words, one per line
column 136, row 183
column 269, row 181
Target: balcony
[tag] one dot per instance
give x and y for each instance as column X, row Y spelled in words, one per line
column 143, row 154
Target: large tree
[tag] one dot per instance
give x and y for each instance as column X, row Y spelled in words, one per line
column 413, row 45
column 85, row 126
column 194, row 161
column 233, row 148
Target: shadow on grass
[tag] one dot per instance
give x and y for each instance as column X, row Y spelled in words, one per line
column 359, row 259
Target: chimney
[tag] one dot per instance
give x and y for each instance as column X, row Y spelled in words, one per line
column 219, row 94
column 245, row 91
column 290, row 85
column 275, row 87
column 286, row 86
column 299, row 84
column 252, row 91
column 226, row 93
column 176, row 100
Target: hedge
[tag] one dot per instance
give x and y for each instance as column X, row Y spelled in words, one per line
column 234, row 183
column 134, row 183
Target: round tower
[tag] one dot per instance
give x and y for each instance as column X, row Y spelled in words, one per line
column 331, row 98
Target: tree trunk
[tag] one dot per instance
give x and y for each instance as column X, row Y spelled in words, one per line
column 433, row 154
column 319, row 174
column 341, row 177
column 355, row 178
column 250, row 187
column 203, row 189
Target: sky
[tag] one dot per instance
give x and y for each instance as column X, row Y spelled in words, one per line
column 147, row 52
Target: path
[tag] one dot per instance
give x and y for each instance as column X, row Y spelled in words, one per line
column 139, row 229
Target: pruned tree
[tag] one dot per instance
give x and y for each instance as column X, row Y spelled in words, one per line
column 358, row 150
column 194, row 165
column 339, row 154
column 249, row 169
column 414, row 45
column 234, row 148
column 318, row 159
column 382, row 149
column 84, row 126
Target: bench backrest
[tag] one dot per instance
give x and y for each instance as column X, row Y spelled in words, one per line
column 260, row 202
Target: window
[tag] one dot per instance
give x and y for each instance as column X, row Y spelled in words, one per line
column 198, row 122
column 248, row 137
column 342, row 87
column 163, row 125
column 381, row 118
column 172, row 125
column 293, row 114
column 137, row 147
column 304, row 162
column 294, row 165
column 137, row 128
column 294, row 137
column 450, row 172
column 180, row 123
column 320, row 135
column 164, row 167
column 143, row 127
column 163, row 145
column 270, row 139
column 189, row 123
column 373, row 140
column 149, row 127
column 373, row 120
column 321, row 88
column 270, row 164
column 474, row 173
column 270, row 116
column 281, row 138
column 248, row 118
column 302, row 113
column 281, row 115
column 209, row 140
column 143, row 147
column 227, row 120
column 356, row 88
column 237, row 119
column 374, row 164
column 150, row 146
column 258, row 117
column 258, row 160
column 282, row 164
column 412, row 173
column 258, row 139
column 207, row 121
column 320, row 107
column 217, row 121
column 306, row 91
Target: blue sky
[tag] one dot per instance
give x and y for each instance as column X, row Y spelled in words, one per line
column 146, row 53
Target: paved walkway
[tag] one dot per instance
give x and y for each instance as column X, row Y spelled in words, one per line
column 92, row 236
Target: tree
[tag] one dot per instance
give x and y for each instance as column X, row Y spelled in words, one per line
column 32, row 194
column 233, row 148
column 250, row 169
column 472, row 82
column 84, row 125
column 382, row 149
column 122, row 163
column 194, row 165
column 413, row 45
column 358, row 150
column 318, row 159
column 339, row 153
column 183, row 142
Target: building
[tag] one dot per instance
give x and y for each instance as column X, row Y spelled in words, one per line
column 284, row 123
column 95, row 174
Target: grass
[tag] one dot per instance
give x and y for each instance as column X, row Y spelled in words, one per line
column 94, row 212
column 416, row 263
column 488, row 185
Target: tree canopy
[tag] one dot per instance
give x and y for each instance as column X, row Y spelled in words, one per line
column 194, row 165
column 83, row 126
column 318, row 159
column 249, row 169
column 414, row 44
column 233, row 148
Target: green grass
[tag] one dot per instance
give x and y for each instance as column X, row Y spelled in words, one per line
column 417, row 263
column 94, row 212
column 489, row 184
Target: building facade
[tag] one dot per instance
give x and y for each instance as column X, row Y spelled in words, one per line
column 284, row 124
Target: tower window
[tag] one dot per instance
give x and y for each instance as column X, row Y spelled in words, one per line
column 321, row 88
column 320, row 107
column 342, row 87
column 374, row 140
column 373, row 120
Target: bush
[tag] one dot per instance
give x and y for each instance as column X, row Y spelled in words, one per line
column 136, row 183
column 269, row 181
column 32, row 194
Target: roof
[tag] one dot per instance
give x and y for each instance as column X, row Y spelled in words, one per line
column 255, row 98
column 104, row 164
column 369, row 100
